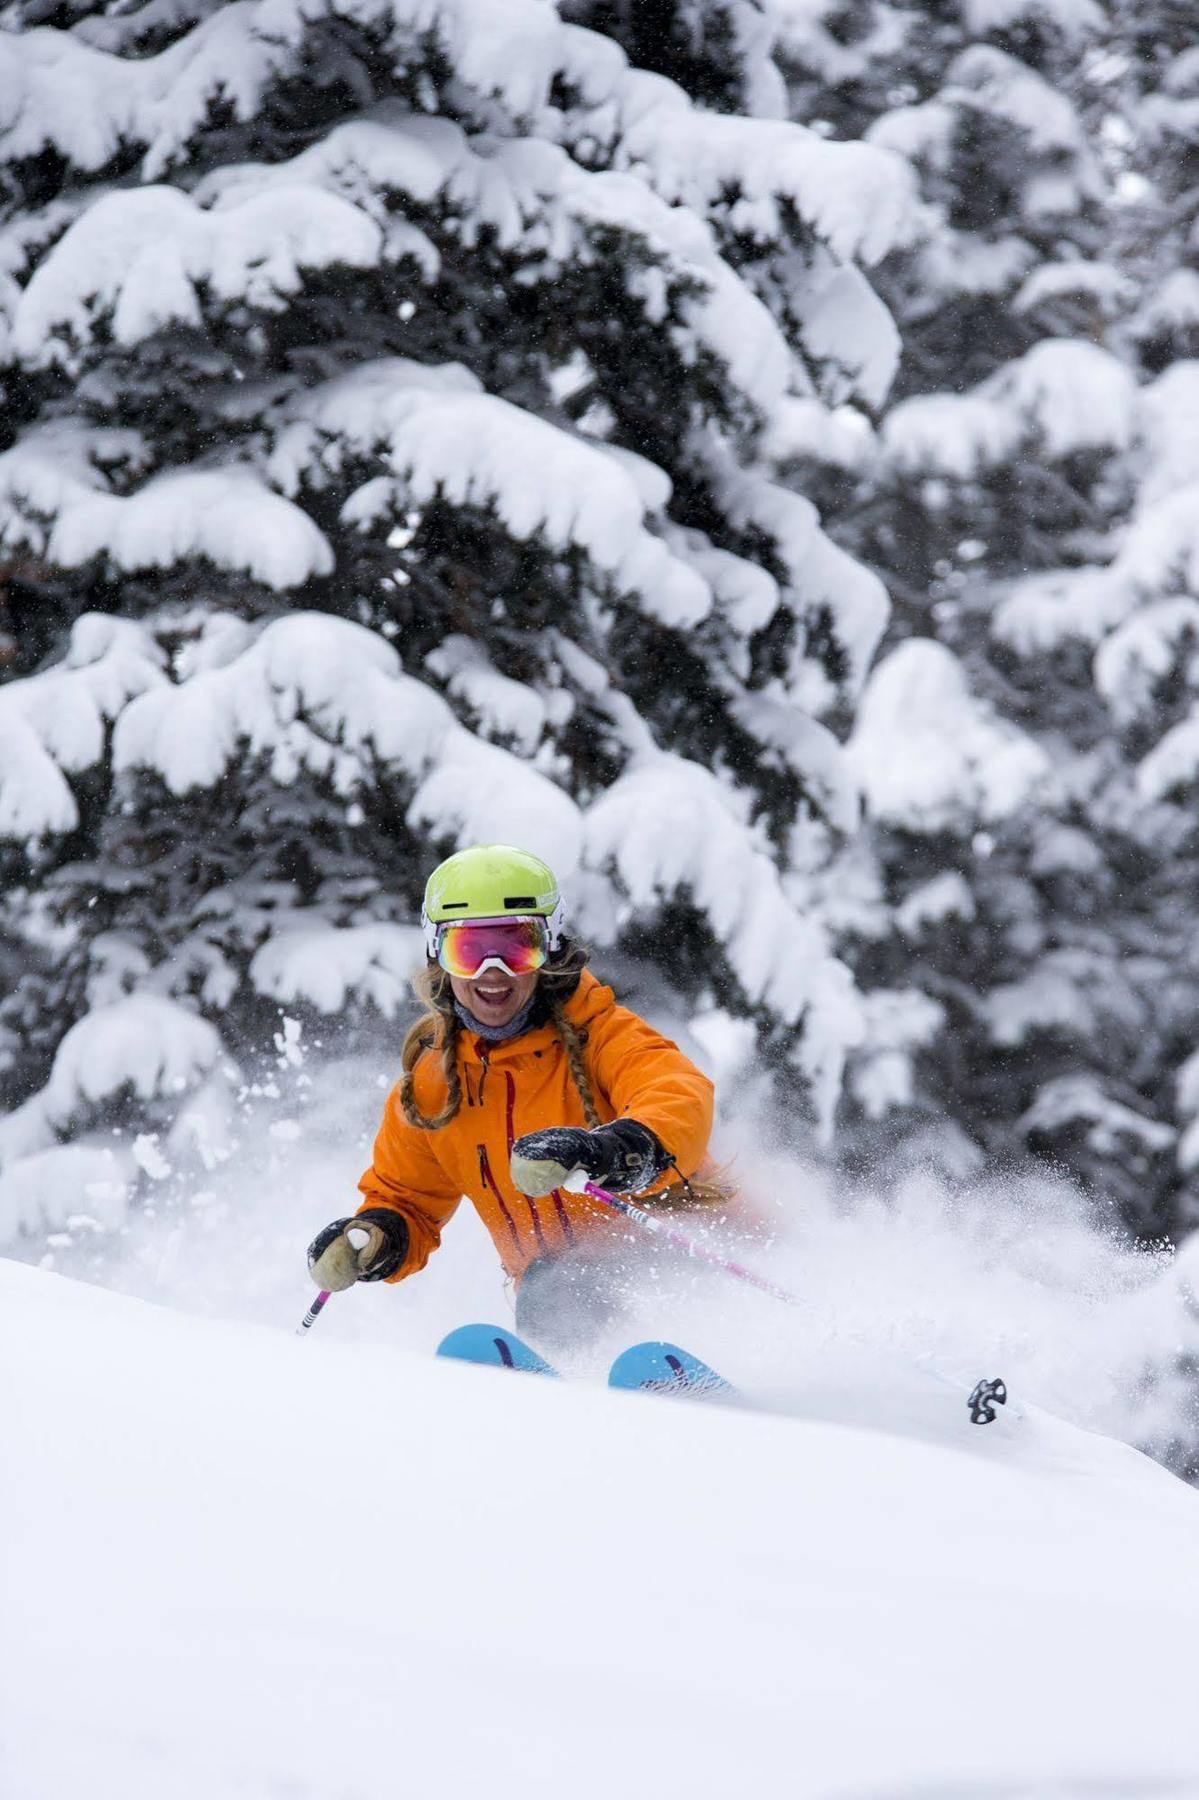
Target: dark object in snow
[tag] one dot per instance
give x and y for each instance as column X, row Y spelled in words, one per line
column 985, row 1398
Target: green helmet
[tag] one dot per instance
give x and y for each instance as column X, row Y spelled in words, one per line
column 491, row 881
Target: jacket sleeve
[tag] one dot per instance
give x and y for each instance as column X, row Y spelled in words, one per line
column 647, row 1077
column 406, row 1176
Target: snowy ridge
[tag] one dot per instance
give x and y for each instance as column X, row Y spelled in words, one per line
column 817, row 1606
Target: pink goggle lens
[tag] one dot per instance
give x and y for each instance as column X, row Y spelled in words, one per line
column 521, row 945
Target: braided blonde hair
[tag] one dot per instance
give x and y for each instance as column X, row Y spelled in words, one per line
column 439, row 1028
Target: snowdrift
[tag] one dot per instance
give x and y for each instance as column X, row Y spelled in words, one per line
column 242, row 1565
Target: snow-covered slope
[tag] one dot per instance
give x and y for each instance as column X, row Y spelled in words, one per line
column 240, row 1565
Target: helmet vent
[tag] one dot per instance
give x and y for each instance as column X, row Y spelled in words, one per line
column 515, row 900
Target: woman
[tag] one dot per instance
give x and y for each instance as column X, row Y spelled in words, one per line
column 522, row 1070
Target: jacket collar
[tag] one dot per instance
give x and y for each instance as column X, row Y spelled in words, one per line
column 589, row 1000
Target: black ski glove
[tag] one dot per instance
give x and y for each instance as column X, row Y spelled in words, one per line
column 334, row 1263
column 623, row 1156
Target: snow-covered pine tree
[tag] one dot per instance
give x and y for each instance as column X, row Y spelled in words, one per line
column 721, row 52
column 1010, row 874
column 1126, row 611
column 384, row 387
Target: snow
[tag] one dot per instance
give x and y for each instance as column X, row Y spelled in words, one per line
column 319, row 693
column 55, row 498
column 135, row 261
column 631, row 829
column 506, row 710
column 444, row 437
column 1061, row 397
column 841, row 437
column 857, row 198
column 929, row 756
column 807, row 747
column 1134, row 661
column 1156, row 563
column 899, row 1021
column 1170, row 429
column 149, row 1044
column 1080, row 1099
column 949, row 434
column 60, row 93
column 43, row 1192
column 259, row 1558
column 1042, row 611
column 1161, row 550
column 1172, row 766
column 987, row 78
column 1074, row 279
column 54, row 724
column 808, row 35
column 1187, row 1081
column 1172, row 306
column 846, row 327
column 535, row 201
column 1049, row 999
column 1074, row 395
column 228, row 516
column 922, row 134
column 329, row 966
column 965, row 262
column 823, row 581
column 946, row 896
column 1073, row 18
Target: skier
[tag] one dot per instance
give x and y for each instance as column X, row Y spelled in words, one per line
column 523, row 1069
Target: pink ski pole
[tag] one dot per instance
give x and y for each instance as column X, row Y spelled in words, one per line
column 357, row 1238
column 985, row 1395
column 313, row 1314
column 681, row 1241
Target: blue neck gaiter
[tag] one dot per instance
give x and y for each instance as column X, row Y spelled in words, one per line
column 497, row 1034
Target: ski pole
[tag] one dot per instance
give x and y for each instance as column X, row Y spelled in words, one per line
column 357, row 1238
column 982, row 1401
column 314, row 1312
column 681, row 1241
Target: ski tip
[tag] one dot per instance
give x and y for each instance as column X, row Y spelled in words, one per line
column 661, row 1368
column 494, row 1347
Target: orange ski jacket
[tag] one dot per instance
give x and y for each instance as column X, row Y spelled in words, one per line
column 524, row 1085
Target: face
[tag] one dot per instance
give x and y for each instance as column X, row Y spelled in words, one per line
column 494, row 997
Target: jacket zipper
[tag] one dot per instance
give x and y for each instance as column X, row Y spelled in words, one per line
column 489, row 1181
column 510, row 1082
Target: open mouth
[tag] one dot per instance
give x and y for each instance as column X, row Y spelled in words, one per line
column 493, row 996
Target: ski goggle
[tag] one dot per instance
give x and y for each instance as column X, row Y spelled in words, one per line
column 518, row 945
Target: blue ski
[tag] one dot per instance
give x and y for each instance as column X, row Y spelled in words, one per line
column 495, row 1347
column 658, row 1368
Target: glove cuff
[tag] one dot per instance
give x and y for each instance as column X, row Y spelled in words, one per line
column 634, row 1156
column 395, row 1240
